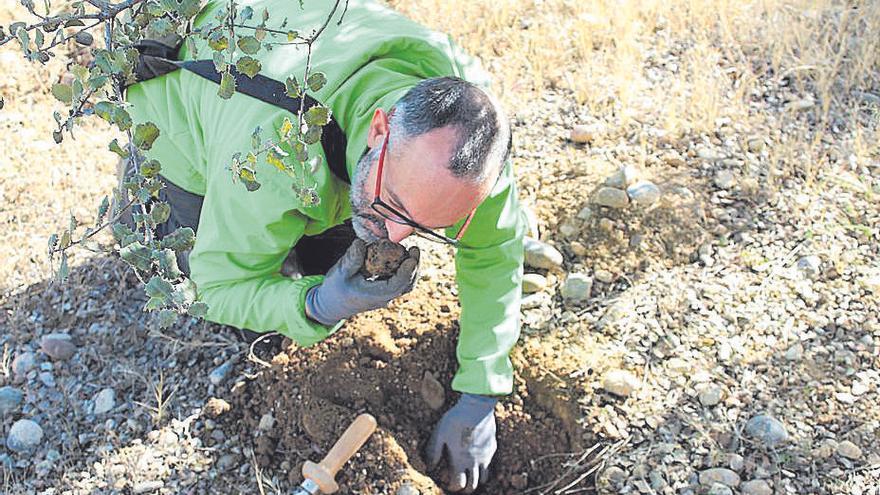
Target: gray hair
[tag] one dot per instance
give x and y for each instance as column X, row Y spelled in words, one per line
column 484, row 138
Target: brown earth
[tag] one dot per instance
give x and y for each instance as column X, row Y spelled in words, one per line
column 391, row 364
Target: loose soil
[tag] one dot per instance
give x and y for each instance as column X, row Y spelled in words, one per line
column 396, row 365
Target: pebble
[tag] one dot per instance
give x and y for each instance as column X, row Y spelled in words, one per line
column 568, row 229
column 267, row 422
column 586, row 133
column 613, row 475
column 23, row 363
column 58, row 346
column 10, row 398
column 407, row 489
column 871, row 283
column 724, row 179
column 709, row 154
column 724, row 476
column 810, row 266
column 533, row 301
column 719, row 489
column 604, row 276
column 531, row 222
column 611, row 197
column 105, row 400
column 795, row 352
column 710, row 395
column 755, row 144
column 766, row 429
column 47, row 378
column 623, row 178
column 620, row 382
column 849, row 450
column 756, row 487
column 577, row 287
column 585, row 213
column 643, row 194
column 147, row 486
column 800, row 105
column 578, row 249
column 24, row 435
column 533, row 282
column 432, row 391
column 541, row 255
column 859, row 388
column 221, row 372
column 227, row 461
column 736, row 462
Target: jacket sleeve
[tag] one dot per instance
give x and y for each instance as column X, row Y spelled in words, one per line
column 489, row 269
column 242, row 241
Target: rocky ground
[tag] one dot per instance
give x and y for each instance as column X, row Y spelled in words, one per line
column 701, row 316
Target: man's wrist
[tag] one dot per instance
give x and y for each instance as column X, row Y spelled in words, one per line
column 485, row 403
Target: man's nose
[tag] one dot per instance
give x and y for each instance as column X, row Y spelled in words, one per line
column 397, row 232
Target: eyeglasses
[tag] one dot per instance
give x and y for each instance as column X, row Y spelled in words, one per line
column 388, row 212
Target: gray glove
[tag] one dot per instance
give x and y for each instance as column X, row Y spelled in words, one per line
column 468, row 433
column 345, row 292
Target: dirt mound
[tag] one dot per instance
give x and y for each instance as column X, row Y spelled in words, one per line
column 397, row 365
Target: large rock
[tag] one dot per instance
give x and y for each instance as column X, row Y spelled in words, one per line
column 766, row 429
column 577, row 287
column 10, row 398
column 611, row 197
column 58, row 346
column 621, row 383
column 24, row 436
column 541, row 255
column 724, row 476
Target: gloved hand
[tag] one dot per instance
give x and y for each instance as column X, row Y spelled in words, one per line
column 345, row 292
column 468, row 433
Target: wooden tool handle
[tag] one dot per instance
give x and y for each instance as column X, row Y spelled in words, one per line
column 352, row 439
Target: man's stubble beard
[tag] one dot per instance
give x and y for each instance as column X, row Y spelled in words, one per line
column 362, row 215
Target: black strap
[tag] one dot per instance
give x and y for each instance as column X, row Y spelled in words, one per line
column 155, row 61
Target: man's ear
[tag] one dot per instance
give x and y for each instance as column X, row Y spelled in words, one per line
column 378, row 128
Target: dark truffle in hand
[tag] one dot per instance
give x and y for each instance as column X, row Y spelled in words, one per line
column 383, row 258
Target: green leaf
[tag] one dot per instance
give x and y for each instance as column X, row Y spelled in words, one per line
column 105, row 110
column 317, row 115
column 312, row 135
column 62, row 92
column 83, row 38
column 219, row 63
column 114, row 147
column 265, row 15
column 150, row 168
column 158, row 288
column 102, row 210
column 137, row 255
column 248, row 66
column 160, row 212
column 197, row 309
column 63, row 269
column 53, row 242
column 64, row 243
column 57, row 136
column 167, row 263
column 249, row 45
column 160, row 27
column 316, row 81
column 249, row 178
column 74, row 23
column 246, row 14
column 260, row 34
column 227, row 86
column 179, row 240
column 185, row 292
column 145, row 135
column 292, row 35
column 291, row 85
column 255, row 137
column 218, row 42
column 166, row 318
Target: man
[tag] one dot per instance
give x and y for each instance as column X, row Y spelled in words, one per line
column 427, row 150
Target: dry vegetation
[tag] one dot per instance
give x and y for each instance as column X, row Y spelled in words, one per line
column 665, row 81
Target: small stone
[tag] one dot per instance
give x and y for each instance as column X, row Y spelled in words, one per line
column 568, row 229
column 23, row 363
column 756, row 487
column 643, row 194
column 215, row 407
column 24, row 435
column 432, row 391
column 719, row 489
column 710, row 395
column 724, row 476
column 826, row 449
column 10, row 398
column 709, row 154
column 585, row 214
column 725, row 179
column 612, row 476
column 147, row 486
column 658, row 482
column 586, row 133
column 845, row 397
column 220, row 373
column 227, row 461
column 578, row 249
column 531, row 222
column 859, row 388
column 795, row 352
column 604, row 276
column 620, row 382
column 105, row 400
column 611, row 197
column 407, row 489
column 534, row 301
column 577, row 287
column 849, row 450
column 810, row 266
column 766, row 429
column 519, row 481
column 755, row 144
column 736, row 462
column 800, row 105
column 47, row 378
column 267, row 422
column 58, row 346
column 541, row 255
column 623, row 178
column 871, row 283
column 533, row 282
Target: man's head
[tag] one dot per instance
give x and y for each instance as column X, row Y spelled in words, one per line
column 447, row 141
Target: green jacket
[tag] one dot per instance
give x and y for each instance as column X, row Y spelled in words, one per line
column 371, row 59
